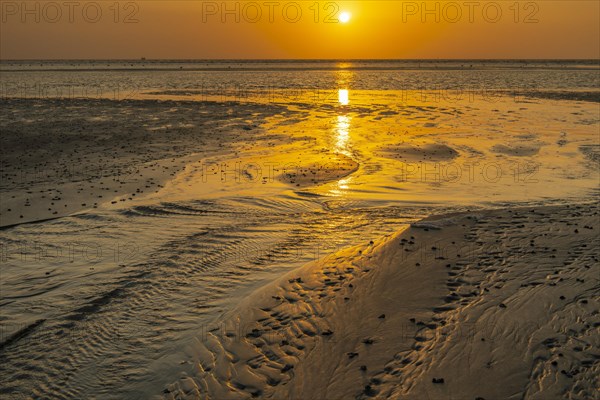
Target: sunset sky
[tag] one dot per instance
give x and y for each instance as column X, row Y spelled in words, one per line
column 287, row 29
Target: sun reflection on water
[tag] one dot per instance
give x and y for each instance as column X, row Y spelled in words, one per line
column 341, row 187
column 343, row 97
column 341, row 139
column 342, row 135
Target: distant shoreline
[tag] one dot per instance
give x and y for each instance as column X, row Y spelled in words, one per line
column 217, row 65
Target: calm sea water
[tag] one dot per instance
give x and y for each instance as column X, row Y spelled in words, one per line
column 121, row 79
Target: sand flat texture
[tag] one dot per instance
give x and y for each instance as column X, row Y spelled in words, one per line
column 489, row 305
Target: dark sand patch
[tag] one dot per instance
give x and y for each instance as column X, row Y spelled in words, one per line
column 517, row 149
column 419, row 152
column 591, row 152
column 589, row 96
column 327, row 169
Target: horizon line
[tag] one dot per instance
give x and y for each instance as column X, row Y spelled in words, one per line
column 299, row 59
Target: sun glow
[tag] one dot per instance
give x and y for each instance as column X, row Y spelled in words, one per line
column 344, row 17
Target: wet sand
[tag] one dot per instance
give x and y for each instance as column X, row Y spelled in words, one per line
column 104, row 153
column 497, row 304
column 78, row 154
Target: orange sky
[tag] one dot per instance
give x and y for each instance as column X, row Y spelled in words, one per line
column 287, row 29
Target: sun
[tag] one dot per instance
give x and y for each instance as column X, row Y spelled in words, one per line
column 344, row 17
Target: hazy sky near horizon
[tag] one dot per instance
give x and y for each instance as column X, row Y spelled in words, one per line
column 299, row 29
